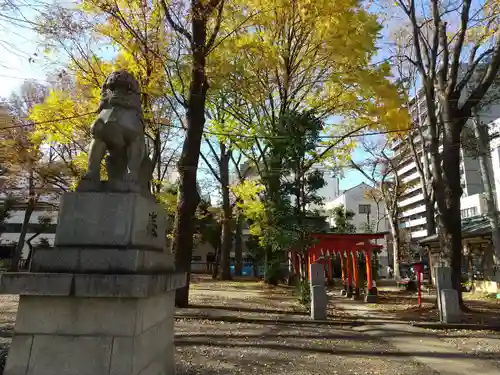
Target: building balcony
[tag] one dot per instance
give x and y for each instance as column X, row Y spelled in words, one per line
column 407, row 168
column 411, row 177
column 413, row 223
column 413, row 211
column 408, row 201
column 395, row 145
column 412, row 188
column 419, row 234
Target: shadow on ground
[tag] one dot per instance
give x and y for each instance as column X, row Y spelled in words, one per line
column 247, row 309
column 334, row 351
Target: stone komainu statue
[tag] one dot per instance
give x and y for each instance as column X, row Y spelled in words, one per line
column 119, row 131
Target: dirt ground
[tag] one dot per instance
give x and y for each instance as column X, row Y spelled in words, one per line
column 210, row 347
column 206, row 346
column 226, row 348
column 243, row 296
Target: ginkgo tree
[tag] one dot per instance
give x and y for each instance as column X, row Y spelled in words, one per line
column 302, row 55
column 306, row 55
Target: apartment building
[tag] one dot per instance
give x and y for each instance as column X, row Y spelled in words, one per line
column 411, row 204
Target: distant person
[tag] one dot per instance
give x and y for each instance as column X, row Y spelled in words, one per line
column 389, row 272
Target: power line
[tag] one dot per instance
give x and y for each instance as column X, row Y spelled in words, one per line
column 33, row 123
column 46, row 122
column 235, row 135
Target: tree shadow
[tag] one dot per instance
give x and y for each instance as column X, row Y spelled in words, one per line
column 267, row 320
column 333, row 351
column 248, row 309
column 197, row 337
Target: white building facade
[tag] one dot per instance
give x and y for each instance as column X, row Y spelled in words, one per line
column 367, row 214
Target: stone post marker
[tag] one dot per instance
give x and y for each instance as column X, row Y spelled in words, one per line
column 102, row 301
column 318, row 292
column 449, row 308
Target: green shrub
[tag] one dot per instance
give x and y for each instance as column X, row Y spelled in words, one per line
column 273, row 272
column 304, row 292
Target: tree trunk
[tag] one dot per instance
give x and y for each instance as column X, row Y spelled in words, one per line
column 430, row 216
column 448, row 199
column 427, row 190
column 188, row 197
column 18, row 252
column 30, row 207
column 395, row 256
column 30, row 253
column 273, row 201
column 481, row 134
column 393, row 222
column 215, row 270
column 423, row 169
column 470, row 266
column 431, row 266
column 227, row 233
column 238, row 245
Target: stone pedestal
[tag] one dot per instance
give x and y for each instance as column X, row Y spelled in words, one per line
column 371, row 298
column 371, row 295
column 447, row 298
column 450, row 308
column 102, row 302
column 110, row 220
column 318, row 302
column 318, row 292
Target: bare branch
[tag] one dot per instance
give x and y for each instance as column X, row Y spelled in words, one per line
column 457, row 49
column 177, row 27
column 215, row 32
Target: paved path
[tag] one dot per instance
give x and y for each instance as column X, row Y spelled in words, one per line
column 436, row 350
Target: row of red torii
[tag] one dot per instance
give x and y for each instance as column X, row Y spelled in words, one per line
column 346, row 245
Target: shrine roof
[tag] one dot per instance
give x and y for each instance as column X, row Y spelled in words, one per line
column 472, row 227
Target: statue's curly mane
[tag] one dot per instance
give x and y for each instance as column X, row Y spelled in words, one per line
column 121, row 89
column 121, row 80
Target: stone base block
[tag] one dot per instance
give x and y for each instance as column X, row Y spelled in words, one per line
column 84, row 336
column 319, row 302
column 343, row 293
column 450, row 308
column 110, row 261
column 371, row 298
column 89, row 285
column 348, row 294
column 110, row 220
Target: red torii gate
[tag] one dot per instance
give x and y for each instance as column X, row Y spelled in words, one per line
column 347, row 245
